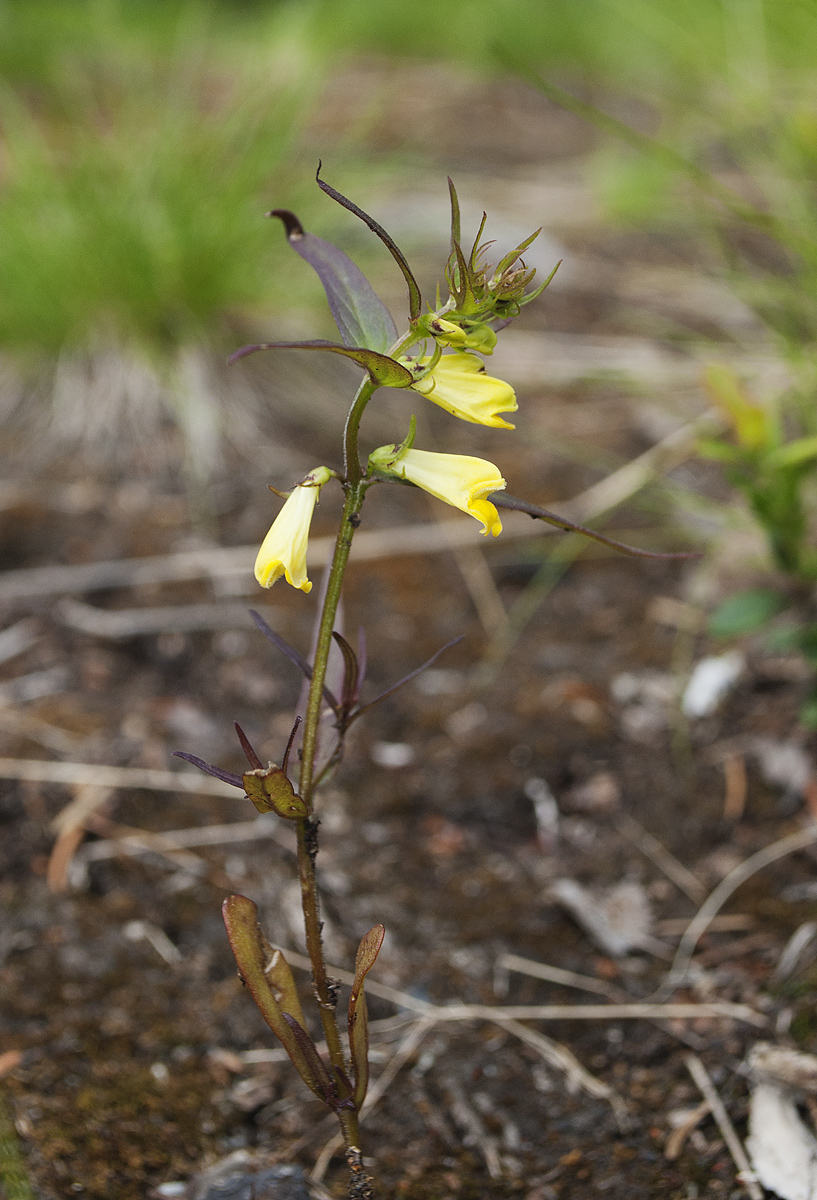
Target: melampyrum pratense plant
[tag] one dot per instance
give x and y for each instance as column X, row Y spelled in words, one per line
column 435, row 356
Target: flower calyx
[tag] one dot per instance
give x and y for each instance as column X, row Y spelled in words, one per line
column 268, row 787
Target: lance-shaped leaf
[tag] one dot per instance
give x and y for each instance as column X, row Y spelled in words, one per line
column 415, row 299
column 385, row 371
column 351, row 674
column 250, row 949
column 360, row 315
column 455, row 211
column 316, row 1064
column 291, row 653
column 503, row 500
column 367, row 953
column 209, row 769
column 407, row 678
column 511, row 258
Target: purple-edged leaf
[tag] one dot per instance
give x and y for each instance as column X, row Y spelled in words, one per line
column 360, row 315
column 408, row 678
column 367, row 953
column 362, row 657
column 209, row 769
column 385, row 371
column 291, row 653
column 251, row 951
column 316, row 1064
column 503, row 500
column 290, row 744
column 351, row 672
column 415, row 299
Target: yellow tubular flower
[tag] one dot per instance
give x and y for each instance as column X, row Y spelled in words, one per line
column 459, row 384
column 455, row 478
column 283, row 551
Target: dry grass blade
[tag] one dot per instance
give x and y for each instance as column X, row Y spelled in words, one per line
column 177, row 840
column 716, row 900
column 434, row 537
column 652, row 849
column 527, row 966
column 707, row 1088
column 678, row 1138
column 91, row 774
column 118, row 624
column 644, row 1011
column 546, row 1012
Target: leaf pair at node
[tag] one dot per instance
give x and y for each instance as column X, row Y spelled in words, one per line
column 268, row 977
column 347, row 707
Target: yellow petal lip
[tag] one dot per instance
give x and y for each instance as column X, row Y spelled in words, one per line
column 457, row 479
column 461, row 386
column 283, row 551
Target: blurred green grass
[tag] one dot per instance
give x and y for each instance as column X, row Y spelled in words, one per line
column 142, row 139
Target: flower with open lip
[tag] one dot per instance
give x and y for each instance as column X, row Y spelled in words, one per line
column 459, row 384
column 457, row 479
column 283, row 551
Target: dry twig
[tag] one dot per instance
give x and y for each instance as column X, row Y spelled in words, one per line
column 707, row 1088
column 650, row 846
column 716, row 900
column 678, row 1138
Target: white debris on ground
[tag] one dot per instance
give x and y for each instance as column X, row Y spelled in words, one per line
column 546, row 811
column 782, row 1149
column 647, row 698
column 618, row 919
column 392, row 755
column 711, row 681
column 784, row 764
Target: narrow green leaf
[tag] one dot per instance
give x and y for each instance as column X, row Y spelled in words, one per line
column 794, row 454
column 511, row 258
column 455, row 213
column 367, row 953
column 745, row 612
column 385, row 371
column 315, row 1063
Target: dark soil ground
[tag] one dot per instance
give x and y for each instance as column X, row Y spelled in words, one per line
column 142, row 1059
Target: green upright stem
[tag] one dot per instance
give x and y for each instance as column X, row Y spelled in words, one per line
column 307, row 829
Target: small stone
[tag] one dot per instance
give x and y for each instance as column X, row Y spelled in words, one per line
column 240, row 1176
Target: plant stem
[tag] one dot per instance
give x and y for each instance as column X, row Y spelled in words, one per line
column 307, row 828
column 351, row 456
